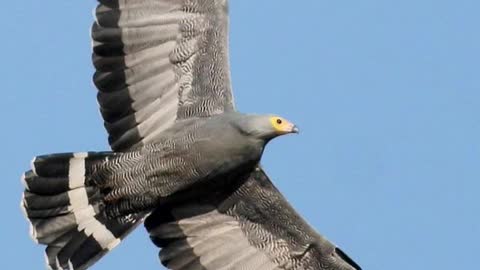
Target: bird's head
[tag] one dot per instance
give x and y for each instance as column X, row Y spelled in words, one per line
column 266, row 127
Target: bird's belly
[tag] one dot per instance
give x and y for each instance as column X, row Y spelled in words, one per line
column 204, row 161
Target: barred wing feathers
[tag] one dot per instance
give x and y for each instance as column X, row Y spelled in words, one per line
column 66, row 211
column 251, row 227
column 159, row 61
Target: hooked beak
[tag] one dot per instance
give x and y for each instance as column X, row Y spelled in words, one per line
column 295, row 129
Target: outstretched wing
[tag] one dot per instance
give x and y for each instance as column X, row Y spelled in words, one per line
column 158, row 61
column 250, row 227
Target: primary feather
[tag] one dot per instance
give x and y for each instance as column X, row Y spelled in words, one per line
column 158, row 62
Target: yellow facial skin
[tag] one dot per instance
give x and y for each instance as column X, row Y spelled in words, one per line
column 282, row 126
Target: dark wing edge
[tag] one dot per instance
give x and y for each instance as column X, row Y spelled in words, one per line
column 157, row 62
column 251, row 226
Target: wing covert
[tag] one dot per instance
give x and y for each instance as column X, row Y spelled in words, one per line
column 159, row 61
column 250, row 227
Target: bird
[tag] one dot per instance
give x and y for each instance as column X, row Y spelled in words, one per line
column 183, row 160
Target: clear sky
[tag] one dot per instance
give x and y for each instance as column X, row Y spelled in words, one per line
column 387, row 95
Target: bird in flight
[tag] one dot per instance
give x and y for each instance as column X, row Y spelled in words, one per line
column 184, row 162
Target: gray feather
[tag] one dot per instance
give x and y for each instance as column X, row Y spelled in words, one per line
column 158, row 62
column 246, row 225
column 65, row 210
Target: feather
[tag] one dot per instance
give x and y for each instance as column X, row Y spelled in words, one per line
column 157, row 62
column 64, row 209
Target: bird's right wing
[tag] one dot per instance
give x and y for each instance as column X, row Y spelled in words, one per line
column 250, row 227
column 159, row 61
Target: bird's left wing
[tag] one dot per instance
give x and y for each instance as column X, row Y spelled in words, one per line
column 159, row 61
column 251, row 226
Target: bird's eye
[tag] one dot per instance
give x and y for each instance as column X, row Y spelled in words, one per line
column 279, row 121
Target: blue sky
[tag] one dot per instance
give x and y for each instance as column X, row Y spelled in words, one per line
column 387, row 95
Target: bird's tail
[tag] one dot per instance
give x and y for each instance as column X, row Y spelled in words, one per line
column 66, row 210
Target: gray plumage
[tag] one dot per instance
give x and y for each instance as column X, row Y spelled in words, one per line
column 159, row 61
column 250, row 227
column 191, row 151
column 184, row 161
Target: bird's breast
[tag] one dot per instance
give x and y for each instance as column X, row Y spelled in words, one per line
column 223, row 153
column 206, row 150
